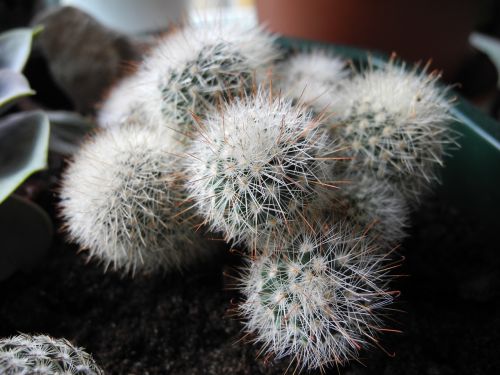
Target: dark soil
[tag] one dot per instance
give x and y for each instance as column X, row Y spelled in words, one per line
column 179, row 323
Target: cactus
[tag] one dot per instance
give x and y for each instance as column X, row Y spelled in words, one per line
column 255, row 166
column 318, row 299
column 366, row 204
column 192, row 71
column 314, row 78
column 122, row 104
column 121, row 200
column 396, row 125
column 44, row 355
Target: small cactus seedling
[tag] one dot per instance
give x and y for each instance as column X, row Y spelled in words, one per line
column 255, row 165
column 192, row 71
column 44, row 355
column 314, row 78
column 122, row 105
column 121, row 198
column 396, row 124
column 369, row 204
column 318, row 300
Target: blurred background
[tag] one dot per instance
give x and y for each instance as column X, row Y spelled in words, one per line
column 461, row 37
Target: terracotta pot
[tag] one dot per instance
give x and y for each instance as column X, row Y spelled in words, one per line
column 415, row 30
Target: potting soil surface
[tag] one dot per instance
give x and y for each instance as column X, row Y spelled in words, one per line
column 181, row 323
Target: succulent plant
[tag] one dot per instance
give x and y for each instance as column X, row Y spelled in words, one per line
column 24, row 137
column 122, row 104
column 121, row 200
column 44, row 355
column 367, row 204
column 255, row 165
column 25, row 141
column 195, row 69
column 395, row 124
column 314, row 78
column 318, row 299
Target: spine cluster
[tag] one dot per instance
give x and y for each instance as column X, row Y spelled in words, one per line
column 318, row 299
column 44, row 355
column 395, row 125
column 122, row 199
column 192, row 72
column 256, row 166
column 122, row 106
column 376, row 208
column 315, row 179
column 314, row 78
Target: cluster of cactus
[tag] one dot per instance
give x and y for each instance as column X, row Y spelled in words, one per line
column 316, row 298
column 44, row 355
column 190, row 73
column 368, row 204
column 392, row 121
column 121, row 198
column 314, row 78
column 259, row 163
column 314, row 180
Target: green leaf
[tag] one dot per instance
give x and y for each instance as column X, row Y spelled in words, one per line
column 24, row 139
column 13, row 86
column 26, row 234
column 15, row 47
column 67, row 130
